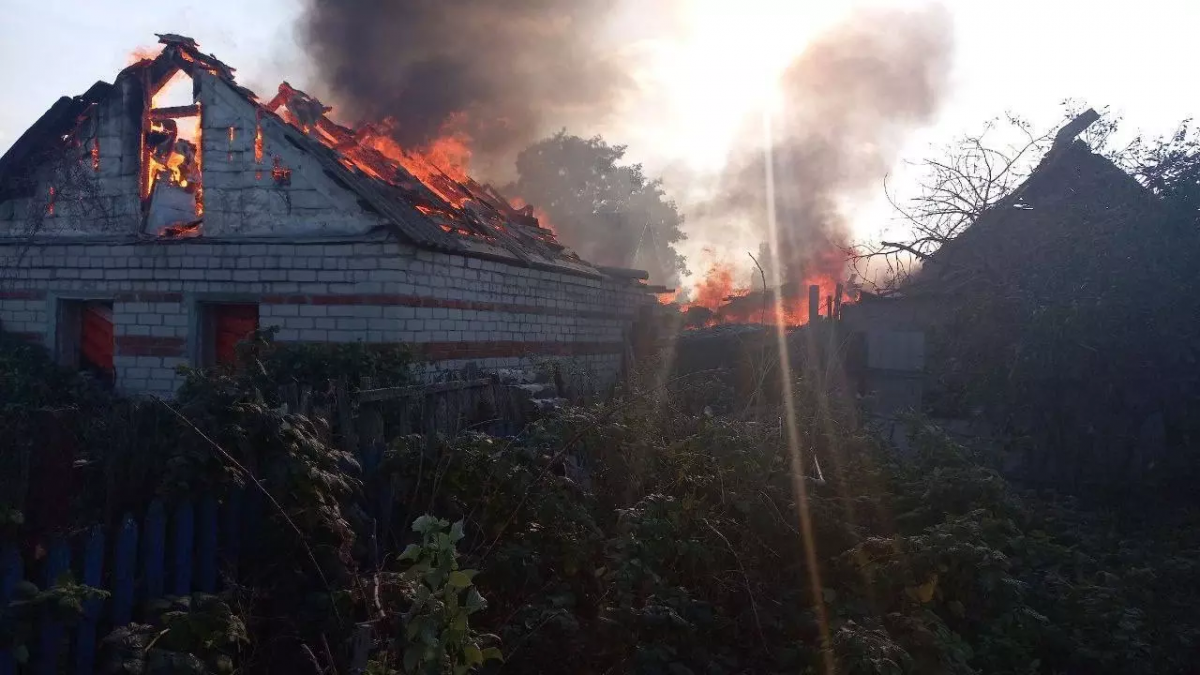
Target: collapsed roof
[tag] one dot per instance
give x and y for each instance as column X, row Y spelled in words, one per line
column 401, row 192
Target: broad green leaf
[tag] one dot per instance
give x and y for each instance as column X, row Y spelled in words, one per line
column 427, row 523
column 493, row 654
column 456, row 532
column 459, row 580
column 475, row 601
column 473, row 655
column 411, row 552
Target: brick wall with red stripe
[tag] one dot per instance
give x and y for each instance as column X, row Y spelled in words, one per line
column 457, row 309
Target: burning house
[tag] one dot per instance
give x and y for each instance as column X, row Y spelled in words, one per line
column 154, row 221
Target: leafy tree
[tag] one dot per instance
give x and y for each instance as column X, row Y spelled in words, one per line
column 609, row 213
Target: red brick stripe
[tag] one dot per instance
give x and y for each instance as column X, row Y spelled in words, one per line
column 140, row 345
column 421, row 301
column 22, row 295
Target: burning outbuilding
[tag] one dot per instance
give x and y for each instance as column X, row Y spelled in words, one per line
column 188, row 209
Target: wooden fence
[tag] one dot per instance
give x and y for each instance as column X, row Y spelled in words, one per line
column 164, row 554
column 195, row 546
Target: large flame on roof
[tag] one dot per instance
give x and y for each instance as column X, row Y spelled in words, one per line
column 441, row 166
column 433, row 178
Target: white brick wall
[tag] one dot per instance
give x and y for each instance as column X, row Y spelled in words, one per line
column 282, row 276
column 24, row 315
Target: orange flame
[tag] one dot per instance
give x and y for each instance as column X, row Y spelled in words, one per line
column 95, row 151
column 728, row 303
column 543, row 218
column 716, row 287
column 447, row 156
column 181, row 231
column 258, row 144
column 199, row 167
column 280, row 173
column 258, row 141
column 789, row 310
column 442, row 166
column 143, row 54
column 179, row 169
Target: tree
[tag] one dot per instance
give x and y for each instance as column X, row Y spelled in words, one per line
column 611, row 214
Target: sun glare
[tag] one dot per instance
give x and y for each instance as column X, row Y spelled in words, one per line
column 722, row 68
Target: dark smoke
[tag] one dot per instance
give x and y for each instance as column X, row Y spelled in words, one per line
column 848, row 103
column 516, row 68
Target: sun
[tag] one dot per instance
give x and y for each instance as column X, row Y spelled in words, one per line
column 708, row 79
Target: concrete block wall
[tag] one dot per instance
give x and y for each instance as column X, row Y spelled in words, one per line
column 151, row 332
column 454, row 310
column 95, row 181
column 98, row 193
column 241, row 194
column 24, row 313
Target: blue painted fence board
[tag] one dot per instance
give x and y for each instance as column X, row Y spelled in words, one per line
column 50, row 644
column 213, row 531
column 11, row 573
column 231, row 530
column 206, row 550
column 184, row 537
column 124, row 563
column 153, row 550
column 85, row 636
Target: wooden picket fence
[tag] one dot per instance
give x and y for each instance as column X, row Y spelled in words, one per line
column 195, row 546
column 167, row 553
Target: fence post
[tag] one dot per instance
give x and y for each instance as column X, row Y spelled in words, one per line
column 85, row 636
column 10, row 575
column 207, row 582
column 153, row 551
column 124, row 560
column 182, row 550
column 58, row 560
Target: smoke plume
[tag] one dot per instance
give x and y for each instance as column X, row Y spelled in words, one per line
column 501, row 71
column 848, row 103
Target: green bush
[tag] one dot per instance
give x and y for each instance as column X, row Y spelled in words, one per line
column 643, row 538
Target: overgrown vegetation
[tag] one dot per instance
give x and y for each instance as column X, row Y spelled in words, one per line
column 647, row 536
